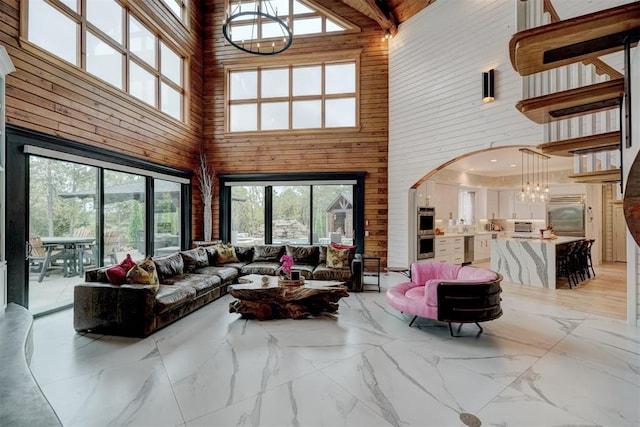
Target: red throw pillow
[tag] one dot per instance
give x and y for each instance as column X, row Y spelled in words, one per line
column 341, row 246
column 116, row 274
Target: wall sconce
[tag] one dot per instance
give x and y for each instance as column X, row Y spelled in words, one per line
column 387, row 35
column 487, row 86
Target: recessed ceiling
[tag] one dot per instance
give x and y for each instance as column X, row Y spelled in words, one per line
column 503, row 158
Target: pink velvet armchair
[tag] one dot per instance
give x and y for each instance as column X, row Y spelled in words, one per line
column 449, row 293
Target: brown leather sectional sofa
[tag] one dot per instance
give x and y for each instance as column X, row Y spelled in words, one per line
column 188, row 280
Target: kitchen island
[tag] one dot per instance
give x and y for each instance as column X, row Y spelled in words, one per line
column 528, row 260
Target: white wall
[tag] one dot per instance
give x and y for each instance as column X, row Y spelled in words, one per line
column 435, row 89
column 435, row 107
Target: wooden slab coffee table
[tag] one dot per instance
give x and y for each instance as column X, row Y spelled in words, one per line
column 274, row 302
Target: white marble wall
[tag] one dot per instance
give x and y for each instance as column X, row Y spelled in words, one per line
column 525, row 261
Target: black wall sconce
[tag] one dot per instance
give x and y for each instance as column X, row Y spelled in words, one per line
column 487, row 86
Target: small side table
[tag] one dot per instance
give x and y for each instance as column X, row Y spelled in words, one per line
column 371, row 268
column 402, row 270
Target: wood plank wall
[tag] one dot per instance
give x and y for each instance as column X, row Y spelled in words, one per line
column 51, row 96
column 361, row 150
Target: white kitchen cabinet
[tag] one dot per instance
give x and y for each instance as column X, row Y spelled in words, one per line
column 445, row 200
column 507, row 204
column 493, row 204
column 526, row 210
column 450, row 249
column 481, row 247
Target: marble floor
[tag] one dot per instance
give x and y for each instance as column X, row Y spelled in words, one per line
column 538, row 365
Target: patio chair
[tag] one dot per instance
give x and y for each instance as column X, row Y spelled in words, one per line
column 43, row 258
column 111, row 245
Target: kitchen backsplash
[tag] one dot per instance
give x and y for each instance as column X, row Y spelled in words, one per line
column 480, row 226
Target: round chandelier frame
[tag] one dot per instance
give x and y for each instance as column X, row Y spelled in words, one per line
column 257, row 17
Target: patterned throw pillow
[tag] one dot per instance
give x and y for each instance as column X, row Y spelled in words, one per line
column 337, row 258
column 144, row 273
column 226, row 254
column 117, row 274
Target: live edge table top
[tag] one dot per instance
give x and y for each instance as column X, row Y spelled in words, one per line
column 283, row 302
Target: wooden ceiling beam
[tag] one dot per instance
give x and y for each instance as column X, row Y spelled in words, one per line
column 374, row 10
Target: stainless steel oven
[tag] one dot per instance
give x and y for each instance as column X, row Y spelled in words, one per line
column 426, row 223
column 426, row 246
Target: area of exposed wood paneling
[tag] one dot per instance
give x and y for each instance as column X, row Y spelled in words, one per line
column 568, row 147
column 363, row 149
column 573, row 40
column 405, row 9
column 573, row 102
column 597, row 177
column 49, row 95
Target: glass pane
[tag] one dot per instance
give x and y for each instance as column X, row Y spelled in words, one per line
column 170, row 64
column 274, row 115
column 243, row 117
column 166, row 217
column 281, row 7
column 62, row 230
column 142, row 42
column 300, row 8
column 331, row 26
column 307, row 114
column 103, row 61
column 171, row 101
column 307, row 80
column 291, row 215
column 107, row 16
column 124, row 216
column 340, row 112
column 340, row 78
column 174, row 6
column 307, row 26
column 142, row 84
column 243, row 85
column 272, row 29
column 275, row 83
column 243, row 32
column 247, row 215
column 333, row 214
column 53, row 31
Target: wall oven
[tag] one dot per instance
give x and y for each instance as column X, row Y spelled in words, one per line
column 426, row 224
column 426, row 246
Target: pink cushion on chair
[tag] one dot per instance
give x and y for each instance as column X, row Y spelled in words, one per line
column 476, row 274
column 423, row 271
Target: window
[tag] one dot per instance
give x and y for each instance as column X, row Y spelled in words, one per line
column 467, row 206
column 309, row 96
column 154, row 70
column 178, row 7
column 302, row 19
column 292, row 209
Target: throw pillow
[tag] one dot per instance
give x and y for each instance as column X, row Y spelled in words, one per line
column 117, row 274
column 226, row 254
column 337, row 258
column 144, row 273
column 352, row 249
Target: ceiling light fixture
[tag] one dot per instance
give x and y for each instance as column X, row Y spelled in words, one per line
column 387, row 35
column 536, row 171
column 254, row 27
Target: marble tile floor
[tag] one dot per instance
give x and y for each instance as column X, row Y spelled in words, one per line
column 538, row 365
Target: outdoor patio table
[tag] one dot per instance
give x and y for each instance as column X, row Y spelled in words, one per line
column 75, row 245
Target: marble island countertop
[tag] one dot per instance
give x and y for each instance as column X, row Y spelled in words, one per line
column 535, row 237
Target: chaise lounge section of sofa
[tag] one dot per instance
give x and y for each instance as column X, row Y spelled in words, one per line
column 189, row 280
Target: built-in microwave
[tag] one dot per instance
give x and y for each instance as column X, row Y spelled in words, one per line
column 426, row 247
column 426, row 223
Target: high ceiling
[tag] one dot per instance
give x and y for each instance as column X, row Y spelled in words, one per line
column 389, row 13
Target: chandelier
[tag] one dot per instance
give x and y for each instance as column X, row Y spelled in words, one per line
column 254, row 27
column 535, row 171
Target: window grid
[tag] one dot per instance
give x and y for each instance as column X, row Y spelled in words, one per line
column 291, row 18
column 290, row 99
column 85, row 27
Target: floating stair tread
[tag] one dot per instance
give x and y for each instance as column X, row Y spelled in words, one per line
column 573, row 102
column 573, row 40
column 611, row 175
column 569, row 147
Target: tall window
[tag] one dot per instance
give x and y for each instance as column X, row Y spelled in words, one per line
column 179, row 7
column 130, row 57
column 309, row 96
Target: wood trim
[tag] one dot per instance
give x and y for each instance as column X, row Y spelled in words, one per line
column 569, row 147
column 573, row 102
column 531, row 50
column 597, row 177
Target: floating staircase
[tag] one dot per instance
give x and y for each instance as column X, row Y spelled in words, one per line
column 561, row 43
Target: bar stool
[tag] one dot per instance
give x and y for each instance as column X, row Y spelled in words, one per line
column 565, row 264
column 588, row 257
